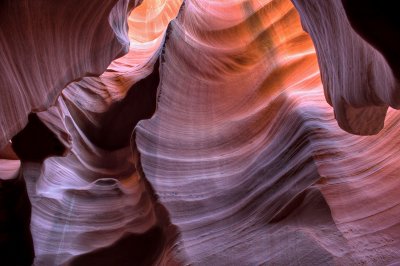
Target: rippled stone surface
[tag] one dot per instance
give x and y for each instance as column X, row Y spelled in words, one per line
column 43, row 49
column 211, row 140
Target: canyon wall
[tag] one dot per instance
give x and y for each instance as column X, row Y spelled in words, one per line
column 209, row 133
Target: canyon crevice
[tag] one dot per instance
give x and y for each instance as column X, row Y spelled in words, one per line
column 171, row 132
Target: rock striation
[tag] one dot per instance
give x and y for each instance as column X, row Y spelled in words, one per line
column 171, row 132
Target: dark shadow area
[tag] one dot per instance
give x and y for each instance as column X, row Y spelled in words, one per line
column 136, row 249
column 115, row 131
column 378, row 22
column 117, row 124
column 16, row 245
column 36, row 142
column 132, row 249
column 289, row 208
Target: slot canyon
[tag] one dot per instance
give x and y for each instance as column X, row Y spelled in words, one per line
column 199, row 132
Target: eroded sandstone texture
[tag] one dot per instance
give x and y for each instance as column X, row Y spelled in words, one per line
column 199, row 132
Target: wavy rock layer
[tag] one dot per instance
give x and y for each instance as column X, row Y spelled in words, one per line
column 217, row 151
column 210, row 143
column 94, row 197
column 42, row 50
column 243, row 144
column 360, row 187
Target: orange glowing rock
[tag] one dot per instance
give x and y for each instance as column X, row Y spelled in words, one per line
column 209, row 142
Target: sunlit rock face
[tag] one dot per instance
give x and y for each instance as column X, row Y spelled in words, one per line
column 210, row 140
column 242, row 144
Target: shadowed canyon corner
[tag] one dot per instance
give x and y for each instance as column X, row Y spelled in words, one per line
column 199, row 132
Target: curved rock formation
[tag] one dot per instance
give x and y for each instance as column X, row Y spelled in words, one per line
column 358, row 81
column 210, row 142
column 217, row 151
column 33, row 144
column 242, row 138
column 377, row 22
column 96, row 115
column 42, row 50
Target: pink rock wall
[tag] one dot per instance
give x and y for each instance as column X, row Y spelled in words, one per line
column 210, row 142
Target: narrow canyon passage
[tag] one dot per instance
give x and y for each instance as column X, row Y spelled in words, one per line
column 198, row 132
